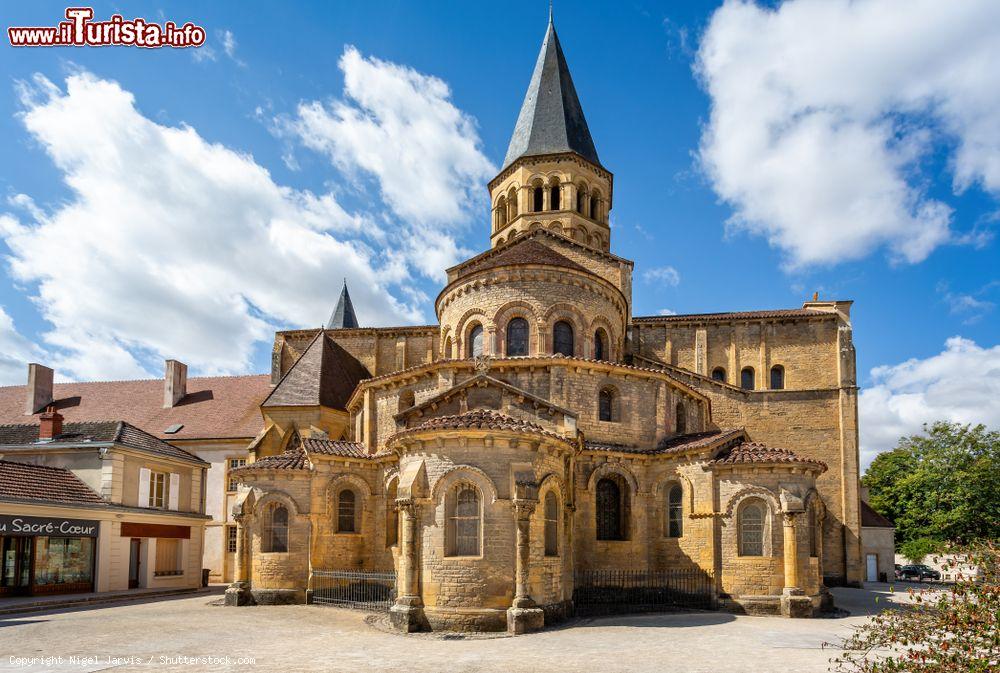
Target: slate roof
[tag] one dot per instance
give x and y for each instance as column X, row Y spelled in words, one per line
column 117, row 432
column 218, row 407
column 22, row 481
column 735, row 315
column 872, row 519
column 678, row 444
column 753, row 452
column 551, row 118
column 522, row 251
column 343, row 314
column 325, row 374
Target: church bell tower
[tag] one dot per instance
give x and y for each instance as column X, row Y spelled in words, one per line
column 552, row 177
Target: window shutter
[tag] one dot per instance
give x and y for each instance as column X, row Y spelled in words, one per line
column 174, row 491
column 143, row 487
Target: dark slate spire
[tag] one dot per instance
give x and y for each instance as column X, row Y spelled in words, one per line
column 551, row 118
column 343, row 316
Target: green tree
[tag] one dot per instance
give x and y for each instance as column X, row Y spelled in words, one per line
column 940, row 486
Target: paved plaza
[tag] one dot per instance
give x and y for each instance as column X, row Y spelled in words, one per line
column 313, row 638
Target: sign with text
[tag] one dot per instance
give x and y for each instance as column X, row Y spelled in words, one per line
column 44, row 526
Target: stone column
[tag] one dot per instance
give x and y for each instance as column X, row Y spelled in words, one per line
column 523, row 616
column 794, row 603
column 238, row 593
column 408, row 612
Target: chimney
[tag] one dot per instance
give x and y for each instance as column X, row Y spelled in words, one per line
column 174, row 383
column 51, row 424
column 39, row 389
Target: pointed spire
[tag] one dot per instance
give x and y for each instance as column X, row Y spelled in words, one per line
column 343, row 316
column 551, row 119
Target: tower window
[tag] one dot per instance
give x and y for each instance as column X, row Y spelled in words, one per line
column 517, row 337
column 562, row 338
column 554, row 197
column 681, row 418
column 747, row 378
column 777, row 377
column 476, row 341
column 600, row 345
column 719, row 374
column 594, row 208
column 537, row 199
column 606, row 405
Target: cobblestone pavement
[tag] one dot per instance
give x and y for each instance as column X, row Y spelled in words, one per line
column 313, row 638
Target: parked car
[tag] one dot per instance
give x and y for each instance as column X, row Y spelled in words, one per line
column 919, row 572
column 897, row 569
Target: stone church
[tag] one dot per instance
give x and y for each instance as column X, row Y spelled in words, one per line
column 540, row 433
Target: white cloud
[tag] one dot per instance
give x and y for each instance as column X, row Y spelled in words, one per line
column 229, row 45
column 171, row 246
column 960, row 384
column 15, row 352
column 400, row 127
column 666, row 275
column 823, row 112
column 666, row 311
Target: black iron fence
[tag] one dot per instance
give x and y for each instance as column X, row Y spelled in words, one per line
column 372, row 590
column 600, row 592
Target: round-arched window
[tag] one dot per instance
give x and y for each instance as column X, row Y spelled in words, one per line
column 476, row 341
column 517, row 337
column 562, row 338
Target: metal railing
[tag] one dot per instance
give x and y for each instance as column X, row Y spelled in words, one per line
column 614, row 591
column 371, row 590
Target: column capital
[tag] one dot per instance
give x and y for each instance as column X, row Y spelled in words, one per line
column 523, row 508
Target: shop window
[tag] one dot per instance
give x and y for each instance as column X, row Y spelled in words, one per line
column 464, row 521
column 517, row 337
column 232, row 484
column 562, row 338
column 158, row 487
column 61, row 563
column 231, row 532
column 168, row 557
column 675, row 511
column 346, row 512
column 751, row 528
column 612, row 508
column 551, row 524
column 275, row 537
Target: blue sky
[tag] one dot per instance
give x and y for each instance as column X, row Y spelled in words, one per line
column 762, row 152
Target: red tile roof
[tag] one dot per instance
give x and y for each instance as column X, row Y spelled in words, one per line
column 522, row 251
column 480, row 419
column 678, row 444
column 753, row 452
column 333, row 447
column 736, row 315
column 22, row 481
column 215, row 406
column 292, row 459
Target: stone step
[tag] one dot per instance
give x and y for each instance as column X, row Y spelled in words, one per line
column 54, row 603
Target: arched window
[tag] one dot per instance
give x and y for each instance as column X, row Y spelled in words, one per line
column 606, row 405
column 594, row 208
column 346, row 511
column 446, row 353
column 476, row 341
column 600, row 345
column 675, row 511
column 814, row 532
column 747, row 378
column 554, row 194
column 517, row 337
column 537, row 199
column 391, row 515
column 512, row 204
column 502, row 213
column 551, row 524
column 464, row 522
column 406, row 400
column 275, row 537
column 581, row 199
column 612, row 500
column 680, row 417
column 751, row 528
column 777, row 377
column 562, row 338
column 719, row 374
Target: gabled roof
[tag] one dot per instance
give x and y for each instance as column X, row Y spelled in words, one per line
column 21, row 481
column 343, row 315
column 101, row 432
column 479, row 419
column 484, row 380
column 872, row 519
column 217, row 407
column 522, row 251
column 551, row 118
column 756, row 453
column 674, row 445
column 324, row 375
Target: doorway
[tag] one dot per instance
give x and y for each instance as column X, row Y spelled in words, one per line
column 134, row 562
column 15, row 566
column 871, row 562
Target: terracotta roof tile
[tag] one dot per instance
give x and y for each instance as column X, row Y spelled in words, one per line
column 480, row 419
column 753, row 452
column 678, row 444
column 332, row 447
column 22, row 481
column 735, row 315
column 214, row 407
column 293, row 459
column 522, row 251
column 117, row 432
